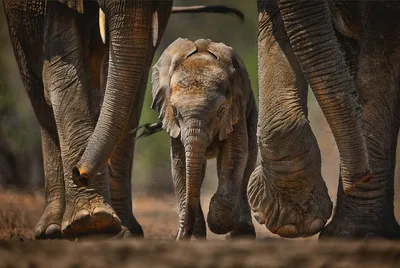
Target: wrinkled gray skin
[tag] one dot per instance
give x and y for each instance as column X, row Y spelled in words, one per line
column 202, row 91
column 297, row 47
column 66, row 69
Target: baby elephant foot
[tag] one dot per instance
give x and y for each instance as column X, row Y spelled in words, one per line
column 49, row 225
column 91, row 218
column 221, row 214
column 199, row 230
column 288, row 213
column 243, row 229
column 131, row 228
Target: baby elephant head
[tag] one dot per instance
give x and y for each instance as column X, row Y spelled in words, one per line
column 198, row 90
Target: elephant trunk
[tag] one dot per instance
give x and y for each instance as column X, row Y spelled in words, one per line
column 130, row 49
column 195, row 142
column 312, row 38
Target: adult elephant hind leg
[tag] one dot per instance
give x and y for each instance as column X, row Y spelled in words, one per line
column 368, row 212
column 87, row 209
column 286, row 192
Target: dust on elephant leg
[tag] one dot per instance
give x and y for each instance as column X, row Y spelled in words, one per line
column 221, row 215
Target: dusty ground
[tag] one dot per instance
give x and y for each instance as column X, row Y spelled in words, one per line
column 20, row 211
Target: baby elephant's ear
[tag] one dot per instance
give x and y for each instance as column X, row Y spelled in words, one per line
column 76, row 5
column 175, row 53
column 240, row 89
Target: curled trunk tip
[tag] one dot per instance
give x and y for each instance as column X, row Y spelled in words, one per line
column 80, row 177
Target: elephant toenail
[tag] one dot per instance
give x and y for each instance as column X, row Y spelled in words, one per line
column 81, row 215
column 38, row 232
column 315, row 227
column 102, row 214
column 288, row 231
column 53, row 230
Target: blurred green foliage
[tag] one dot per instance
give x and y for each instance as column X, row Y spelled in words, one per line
column 18, row 125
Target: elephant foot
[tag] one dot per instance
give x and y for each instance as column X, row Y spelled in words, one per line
column 131, row 228
column 199, row 233
column 199, row 230
column 49, row 225
column 361, row 228
column 89, row 218
column 222, row 212
column 288, row 213
column 359, row 217
column 243, row 229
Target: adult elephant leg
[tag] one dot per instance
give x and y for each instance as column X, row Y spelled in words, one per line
column 286, row 192
column 120, row 164
column 49, row 225
column 120, row 167
column 311, row 35
column 178, row 167
column 368, row 212
column 87, row 209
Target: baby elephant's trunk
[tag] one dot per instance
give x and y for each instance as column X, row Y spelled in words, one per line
column 195, row 141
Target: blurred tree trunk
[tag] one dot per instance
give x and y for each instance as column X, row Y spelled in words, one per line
column 21, row 162
column 9, row 174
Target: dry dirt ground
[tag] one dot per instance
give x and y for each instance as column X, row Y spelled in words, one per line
column 20, row 211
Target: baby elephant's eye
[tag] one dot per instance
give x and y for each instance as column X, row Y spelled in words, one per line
column 174, row 111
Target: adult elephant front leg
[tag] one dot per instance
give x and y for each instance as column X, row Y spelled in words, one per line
column 120, row 167
column 310, row 32
column 286, row 191
column 87, row 209
column 120, row 164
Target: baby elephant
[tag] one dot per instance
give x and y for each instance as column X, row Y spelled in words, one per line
column 203, row 95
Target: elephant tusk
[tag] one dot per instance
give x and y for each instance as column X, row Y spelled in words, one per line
column 102, row 25
column 154, row 28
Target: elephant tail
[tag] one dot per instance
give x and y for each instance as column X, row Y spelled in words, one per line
column 148, row 130
column 209, row 9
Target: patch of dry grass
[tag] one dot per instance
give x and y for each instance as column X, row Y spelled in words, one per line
column 19, row 212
